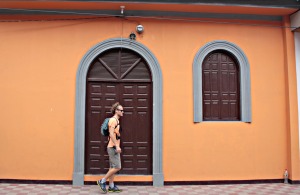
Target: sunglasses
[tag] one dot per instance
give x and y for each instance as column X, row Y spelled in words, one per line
column 120, row 110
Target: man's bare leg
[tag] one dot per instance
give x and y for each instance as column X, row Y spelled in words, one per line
column 111, row 181
column 111, row 172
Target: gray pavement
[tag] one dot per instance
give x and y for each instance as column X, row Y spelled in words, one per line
column 39, row 189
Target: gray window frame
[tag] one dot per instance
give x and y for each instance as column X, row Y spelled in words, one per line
column 245, row 95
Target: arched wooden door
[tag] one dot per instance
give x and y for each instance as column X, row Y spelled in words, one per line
column 124, row 76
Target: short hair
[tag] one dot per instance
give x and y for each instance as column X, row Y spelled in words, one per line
column 114, row 107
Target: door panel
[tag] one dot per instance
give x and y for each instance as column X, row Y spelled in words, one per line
column 100, row 97
column 136, row 135
column 137, row 123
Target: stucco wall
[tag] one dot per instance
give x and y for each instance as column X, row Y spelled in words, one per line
column 38, row 67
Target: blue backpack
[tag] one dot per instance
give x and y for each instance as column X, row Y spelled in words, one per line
column 104, row 127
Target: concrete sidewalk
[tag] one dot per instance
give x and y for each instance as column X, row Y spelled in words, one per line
column 276, row 189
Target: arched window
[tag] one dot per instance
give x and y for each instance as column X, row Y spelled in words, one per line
column 217, row 98
column 220, row 87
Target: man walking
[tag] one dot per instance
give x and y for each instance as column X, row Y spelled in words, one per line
column 113, row 149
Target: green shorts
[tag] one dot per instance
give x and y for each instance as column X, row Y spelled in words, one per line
column 114, row 158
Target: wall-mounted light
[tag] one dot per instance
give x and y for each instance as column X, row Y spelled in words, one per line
column 122, row 9
column 132, row 36
column 139, row 29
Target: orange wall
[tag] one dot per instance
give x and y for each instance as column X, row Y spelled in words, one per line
column 38, row 67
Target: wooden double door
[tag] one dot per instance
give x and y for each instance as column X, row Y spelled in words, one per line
column 119, row 75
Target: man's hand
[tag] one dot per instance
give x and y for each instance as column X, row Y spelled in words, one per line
column 118, row 149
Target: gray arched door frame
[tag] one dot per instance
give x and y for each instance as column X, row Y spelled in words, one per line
column 78, row 172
